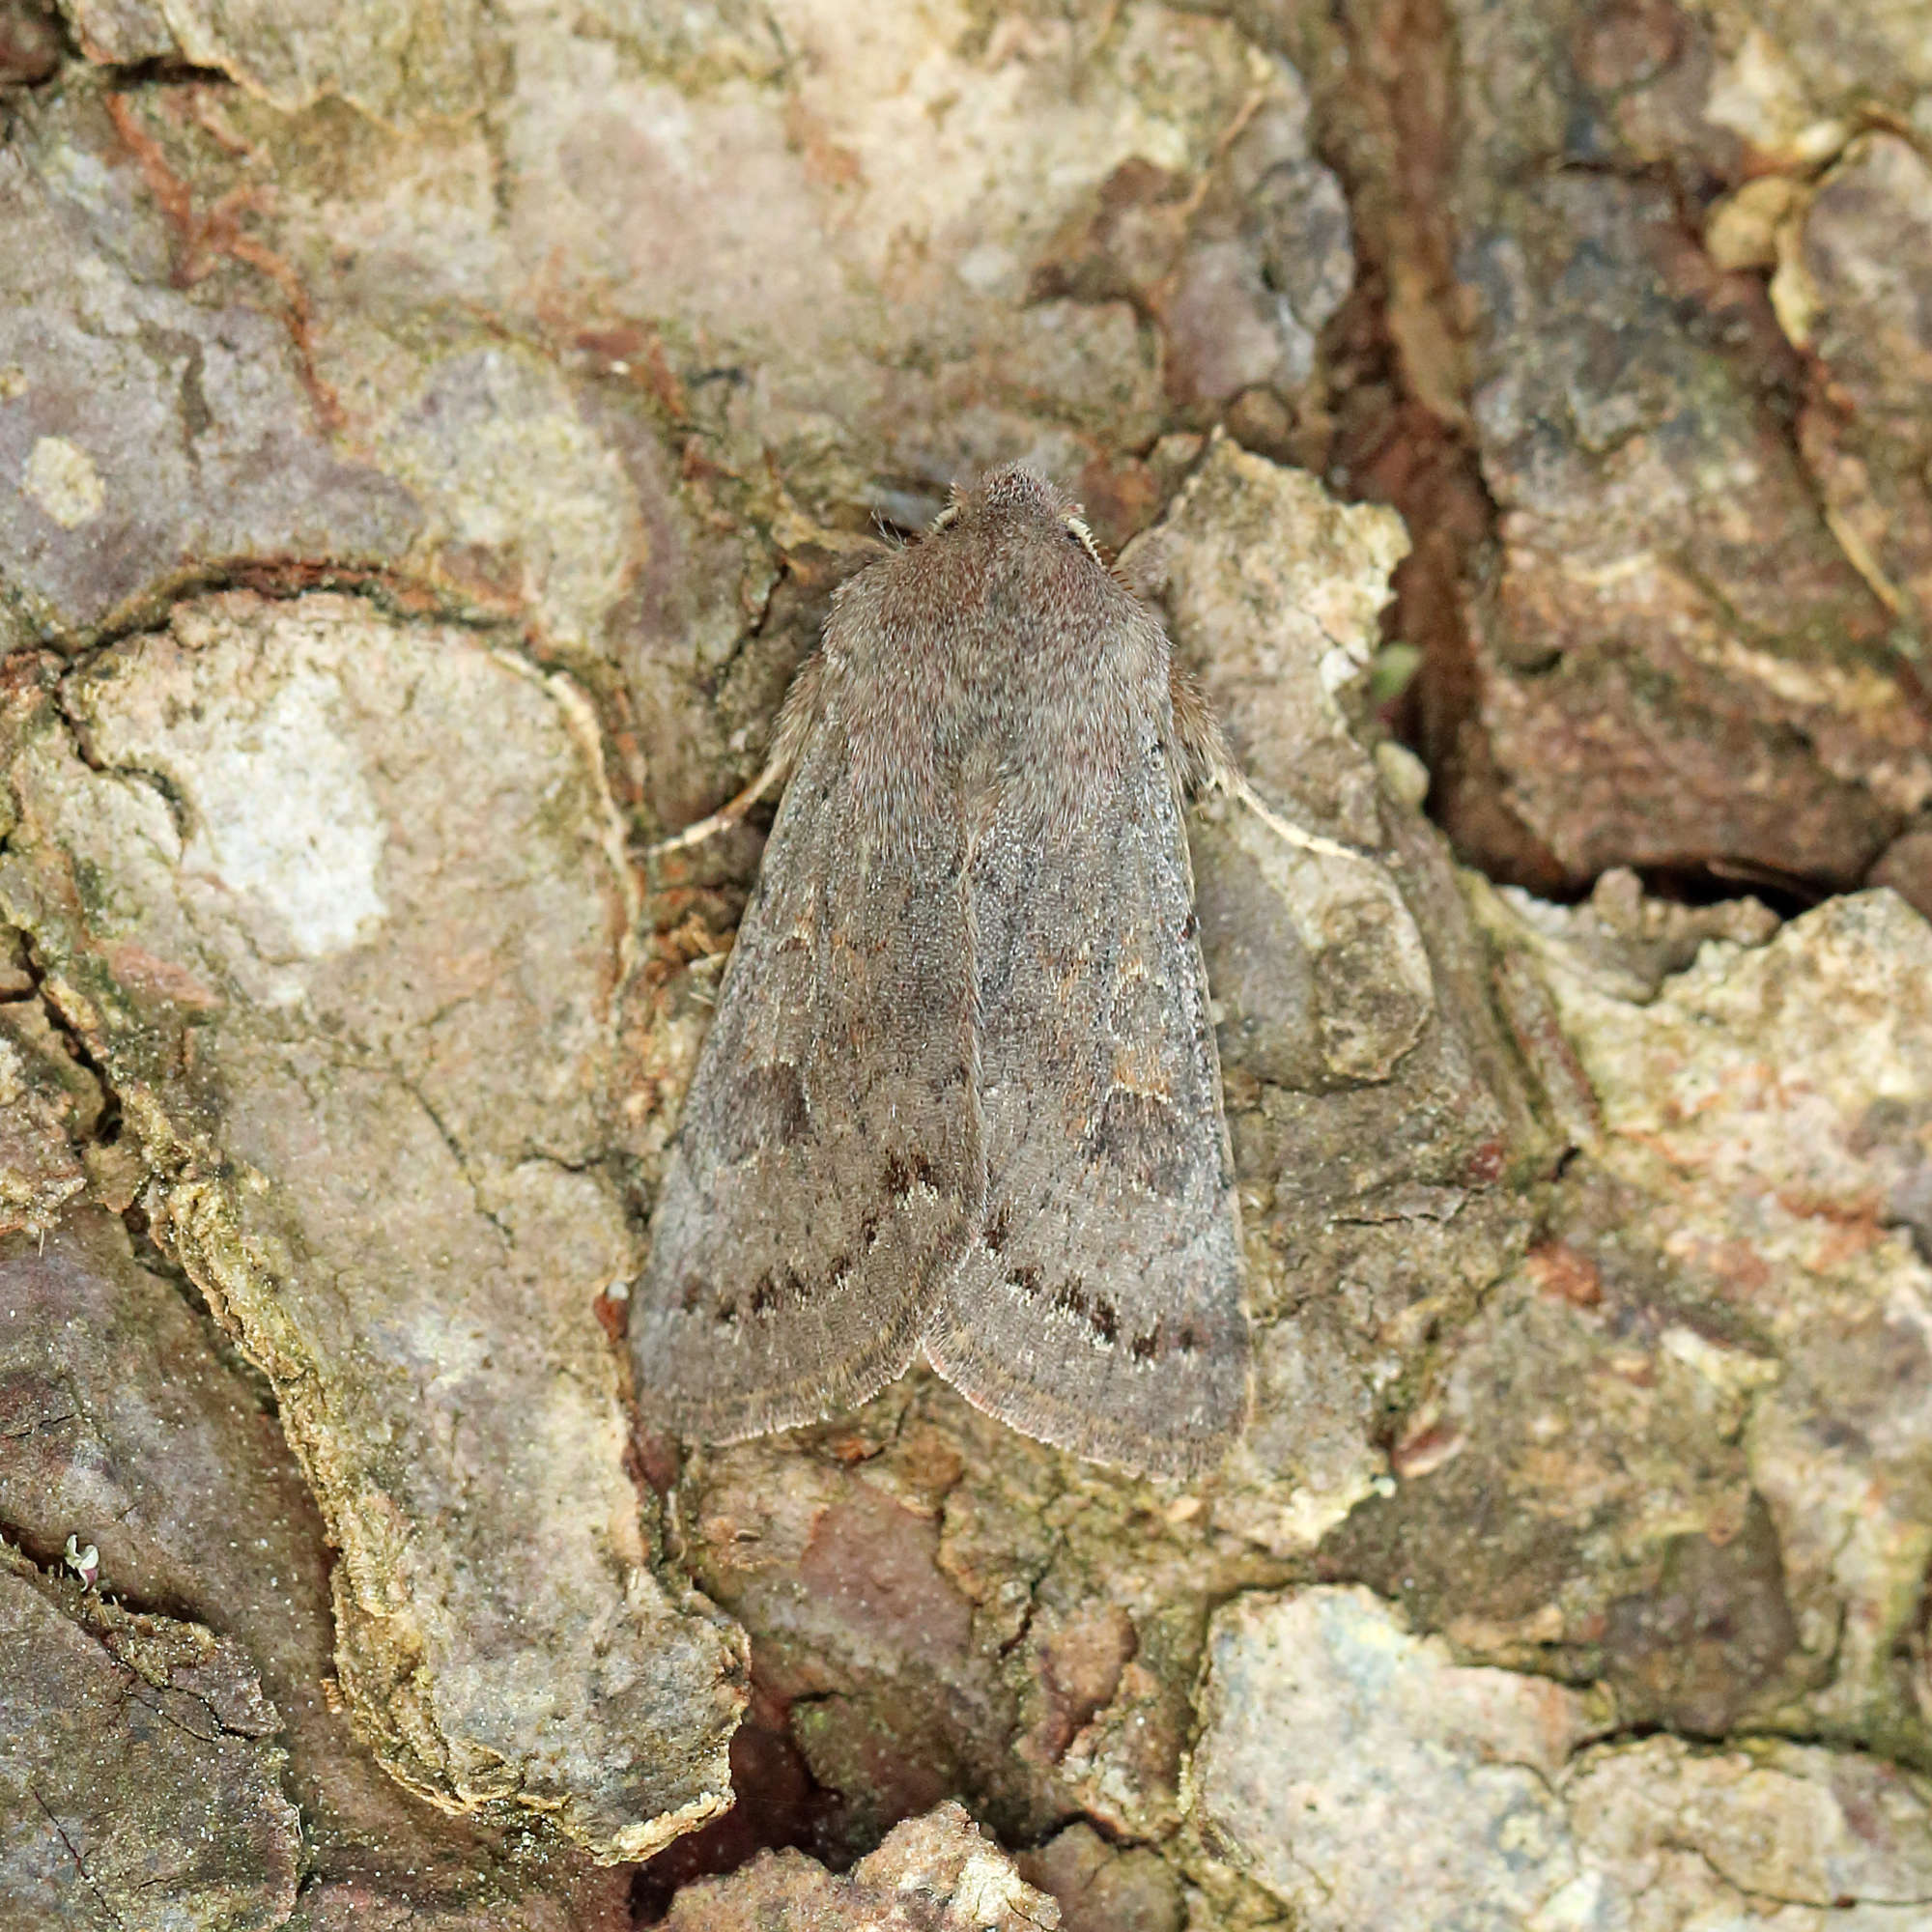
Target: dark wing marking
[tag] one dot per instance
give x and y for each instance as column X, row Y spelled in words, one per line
column 1099, row 1303
column 827, row 1170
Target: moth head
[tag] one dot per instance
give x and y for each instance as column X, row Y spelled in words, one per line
column 1015, row 491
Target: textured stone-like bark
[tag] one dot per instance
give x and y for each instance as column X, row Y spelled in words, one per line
column 121, row 1425
column 1364, row 1774
column 1641, row 264
column 932, row 1874
column 428, row 443
column 336, row 907
column 137, row 1779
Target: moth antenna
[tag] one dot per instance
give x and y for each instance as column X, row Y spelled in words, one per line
column 1077, row 523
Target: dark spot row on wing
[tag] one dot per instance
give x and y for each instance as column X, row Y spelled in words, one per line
column 782, row 1291
column 1099, row 1316
column 1183, row 1340
column 779, row 1291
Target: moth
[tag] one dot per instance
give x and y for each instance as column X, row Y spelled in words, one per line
column 961, row 1097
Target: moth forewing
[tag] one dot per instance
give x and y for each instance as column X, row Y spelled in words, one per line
column 961, row 1091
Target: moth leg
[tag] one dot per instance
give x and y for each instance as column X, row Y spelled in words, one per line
column 1287, row 829
column 1210, row 765
column 1206, row 761
column 725, row 816
column 796, row 717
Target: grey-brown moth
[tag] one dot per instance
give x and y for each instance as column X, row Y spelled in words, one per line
column 961, row 1097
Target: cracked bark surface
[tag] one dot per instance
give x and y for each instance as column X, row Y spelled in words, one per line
column 428, row 444
column 137, row 1765
column 1704, row 575
column 436, row 1089
column 1480, row 1791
